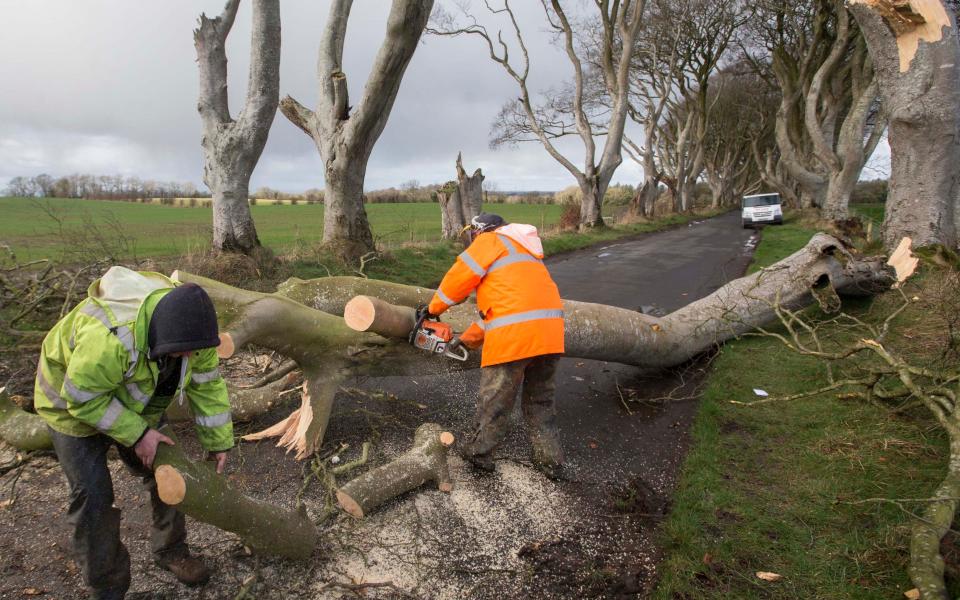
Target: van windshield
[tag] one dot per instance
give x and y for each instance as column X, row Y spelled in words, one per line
column 765, row 200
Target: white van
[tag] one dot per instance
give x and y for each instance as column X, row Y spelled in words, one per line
column 761, row 209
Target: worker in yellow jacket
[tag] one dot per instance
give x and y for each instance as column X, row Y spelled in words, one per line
column 521, row 331
column 107, row 372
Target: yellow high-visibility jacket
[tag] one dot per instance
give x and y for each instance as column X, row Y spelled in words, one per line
column 94, row 376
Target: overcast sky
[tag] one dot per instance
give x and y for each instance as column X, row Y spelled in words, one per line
column 110, row 87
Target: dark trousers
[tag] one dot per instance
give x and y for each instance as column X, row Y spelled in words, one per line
column 98, row 550
column 499, row 385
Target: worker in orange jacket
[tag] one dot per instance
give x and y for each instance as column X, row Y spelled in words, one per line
column 521, row 332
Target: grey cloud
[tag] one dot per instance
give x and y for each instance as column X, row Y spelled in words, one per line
column 110, row 86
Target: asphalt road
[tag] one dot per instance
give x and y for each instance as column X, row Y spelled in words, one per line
column 659, row 273
column 603, row 441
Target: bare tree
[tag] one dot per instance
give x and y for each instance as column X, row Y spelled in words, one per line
column 743, row 108
column 653, row 70
column 344, row 139
column 231, row 147
column 525, row 120
column 829, row 122
column 705, row 30
column 917, row 56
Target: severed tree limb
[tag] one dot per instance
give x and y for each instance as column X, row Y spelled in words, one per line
column 22, row 430
column 425, row 461
column 199, row 491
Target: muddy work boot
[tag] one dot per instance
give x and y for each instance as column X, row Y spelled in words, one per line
column 480, row 462
column 547, row 457
column 189, row 570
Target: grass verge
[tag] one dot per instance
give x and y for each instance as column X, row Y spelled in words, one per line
column 781, row 487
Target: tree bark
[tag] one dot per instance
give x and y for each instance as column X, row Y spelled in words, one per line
column 426, row 461
column 916, row 53
column 460, row 201
column 231, row 147
column 345, row 137
column 22, row 430
column 926, row 563
column 199, row 491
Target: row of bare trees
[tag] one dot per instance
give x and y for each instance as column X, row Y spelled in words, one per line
column 110, row 187
column 787, row 96
column 792, row 96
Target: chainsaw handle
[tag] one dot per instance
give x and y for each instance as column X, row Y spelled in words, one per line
column 456, row 351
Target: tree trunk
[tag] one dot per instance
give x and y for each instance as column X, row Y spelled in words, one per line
column 591, row 203
column 471, row 191
column 916, row 54
column 840, row 186
column 425, row 461
column 460, row 201
column 346, row 229
column 233, row 228
column 231, row 147
column 451, row 211
column 601, row 332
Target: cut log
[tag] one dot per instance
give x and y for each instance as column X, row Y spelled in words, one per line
column 366, row 313
column 22, row 430
column 426, row 461
column 198, row 491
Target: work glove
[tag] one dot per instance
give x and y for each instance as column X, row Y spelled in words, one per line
column 423, row 313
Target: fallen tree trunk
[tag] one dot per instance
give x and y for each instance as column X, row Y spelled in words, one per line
column 199, row 491
column 426, row 461
column 600, row 332
column 328, row 350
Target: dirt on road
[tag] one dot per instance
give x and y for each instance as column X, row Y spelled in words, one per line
column 511, row 534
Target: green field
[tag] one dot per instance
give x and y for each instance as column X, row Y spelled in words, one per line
column 29, row 226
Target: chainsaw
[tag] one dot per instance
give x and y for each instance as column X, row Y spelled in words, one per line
column 436, row 337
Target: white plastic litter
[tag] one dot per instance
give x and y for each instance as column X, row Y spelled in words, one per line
column 760, row 392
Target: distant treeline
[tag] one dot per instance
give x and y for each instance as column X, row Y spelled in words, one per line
column 119, row 187
column 107, row 187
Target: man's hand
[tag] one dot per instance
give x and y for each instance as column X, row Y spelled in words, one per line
column 146, row 448
column 220, row 458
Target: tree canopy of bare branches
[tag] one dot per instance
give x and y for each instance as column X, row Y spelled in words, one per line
column 574, row 111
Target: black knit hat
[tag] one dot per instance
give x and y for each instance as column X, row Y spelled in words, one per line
column 486, row 222
column 183, row 320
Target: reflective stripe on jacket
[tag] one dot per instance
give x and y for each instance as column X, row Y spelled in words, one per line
column 519, row 302
column 94, row 376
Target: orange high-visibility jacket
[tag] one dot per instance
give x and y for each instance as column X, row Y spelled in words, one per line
column 520, row 304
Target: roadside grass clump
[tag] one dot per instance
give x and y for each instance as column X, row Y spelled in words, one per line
column 808, row 488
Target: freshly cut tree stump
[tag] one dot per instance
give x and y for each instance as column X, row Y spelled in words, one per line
column 426, row 461
column 199, row 491
column 22, row 430
column 366, row 313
